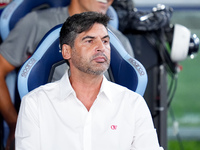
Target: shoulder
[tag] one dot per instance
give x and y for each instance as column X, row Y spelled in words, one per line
column 122, row 90
column 46, row 13
column 43, row 91
column 126, row 98
column 52, row 10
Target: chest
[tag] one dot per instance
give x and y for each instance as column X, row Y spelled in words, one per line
column 71, row 125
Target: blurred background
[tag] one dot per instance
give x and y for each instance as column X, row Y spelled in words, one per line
column 183, row 119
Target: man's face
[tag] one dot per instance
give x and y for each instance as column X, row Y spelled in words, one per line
column 95, row 5
column 91, row 51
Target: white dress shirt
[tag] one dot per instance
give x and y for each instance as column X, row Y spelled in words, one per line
column 52, row 118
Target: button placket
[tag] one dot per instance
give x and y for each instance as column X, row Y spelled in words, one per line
column 87, row 133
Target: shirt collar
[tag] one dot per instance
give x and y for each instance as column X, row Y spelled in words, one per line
column 67, row 90
column 65, row 87
column 105, row 89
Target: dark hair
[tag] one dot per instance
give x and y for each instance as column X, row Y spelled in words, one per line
column 79, row 23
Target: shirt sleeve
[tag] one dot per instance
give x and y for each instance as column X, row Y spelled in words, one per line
column 20, row 41
column 27, row 135
column 145, row 137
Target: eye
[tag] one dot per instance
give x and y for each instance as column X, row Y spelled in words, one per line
column 89, row 41
column 105, row 41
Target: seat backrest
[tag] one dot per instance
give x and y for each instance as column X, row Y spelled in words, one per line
column 126, row 70
column 19, row 8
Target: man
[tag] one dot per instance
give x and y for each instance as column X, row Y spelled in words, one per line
column 83, row 110
column 24, row 38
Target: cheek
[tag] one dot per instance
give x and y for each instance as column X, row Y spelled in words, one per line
column 108, row 52
column 108, row 48
column 88, row 5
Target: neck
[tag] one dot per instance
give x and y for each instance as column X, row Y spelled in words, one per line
column 86, row 87
column 73, row 8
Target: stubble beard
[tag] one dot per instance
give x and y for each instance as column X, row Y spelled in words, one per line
column 91, row 67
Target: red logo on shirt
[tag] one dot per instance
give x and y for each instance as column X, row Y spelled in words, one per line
column 114, row 127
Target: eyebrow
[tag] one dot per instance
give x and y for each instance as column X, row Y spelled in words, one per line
column 92, row 37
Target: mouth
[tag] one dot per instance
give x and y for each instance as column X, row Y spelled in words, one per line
column 102, row 1
column 100, row 58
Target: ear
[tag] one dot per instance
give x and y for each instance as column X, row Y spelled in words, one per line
column 66, row 51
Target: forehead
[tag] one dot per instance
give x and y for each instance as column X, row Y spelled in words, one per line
column 96, row 30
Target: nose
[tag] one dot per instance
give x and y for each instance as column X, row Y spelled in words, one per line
column 100, row 45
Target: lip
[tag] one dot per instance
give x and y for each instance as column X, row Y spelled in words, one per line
column 100, row 59
column 102, row 1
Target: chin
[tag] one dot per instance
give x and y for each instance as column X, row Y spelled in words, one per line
column 102, row 10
